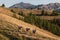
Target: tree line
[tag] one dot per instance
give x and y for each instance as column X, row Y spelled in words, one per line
column 45, row 13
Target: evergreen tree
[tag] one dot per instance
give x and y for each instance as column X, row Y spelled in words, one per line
column 46, row 14
column 42, row 12
column 3, row 5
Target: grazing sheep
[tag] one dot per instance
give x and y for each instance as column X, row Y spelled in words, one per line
column 19, row 27
column 27, row 29
column 34, row 31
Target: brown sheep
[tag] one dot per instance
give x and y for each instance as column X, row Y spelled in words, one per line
column 19, row 27
column 27, row 29
column 34, row 31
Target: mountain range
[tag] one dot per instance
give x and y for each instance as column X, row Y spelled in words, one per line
column 41, row 6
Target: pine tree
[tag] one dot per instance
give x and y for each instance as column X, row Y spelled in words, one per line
column 3, row 5
column 42, row 12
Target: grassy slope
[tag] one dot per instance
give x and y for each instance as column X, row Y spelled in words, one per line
column 8, row 12
column 40, row 32
column 26, row 11
column 2, row 37
column 14, row 21
column 49, row 17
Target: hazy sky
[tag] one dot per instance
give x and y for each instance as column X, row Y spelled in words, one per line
column 35, row 2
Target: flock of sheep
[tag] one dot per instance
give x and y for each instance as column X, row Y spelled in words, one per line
column 27, row 29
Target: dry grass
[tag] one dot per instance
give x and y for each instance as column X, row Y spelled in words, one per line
column 35, row 11
column 10, row 23
column 49, row 17
column 9, row 13
column 27, row 11
column 2, row 37
column 24, row 25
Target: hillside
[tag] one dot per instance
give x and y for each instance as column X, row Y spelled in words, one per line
column 7, row 22
column 8, row 12
column 35, row 11
column 40, row 32
column 27, row 11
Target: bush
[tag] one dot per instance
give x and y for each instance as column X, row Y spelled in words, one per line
column 54, row 13
column 20, row 13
